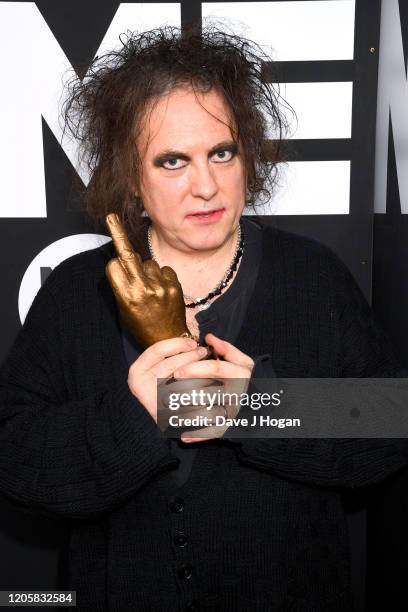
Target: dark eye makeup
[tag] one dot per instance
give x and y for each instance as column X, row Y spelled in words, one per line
column 172, row 157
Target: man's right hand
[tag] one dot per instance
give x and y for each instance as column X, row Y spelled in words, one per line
column 160, row 360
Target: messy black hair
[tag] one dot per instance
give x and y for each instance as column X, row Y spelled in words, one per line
column 105, row 110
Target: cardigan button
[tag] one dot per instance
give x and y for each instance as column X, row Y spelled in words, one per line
column 176, row 504
column 180, row 540
column 192, row 606
column 185, row 571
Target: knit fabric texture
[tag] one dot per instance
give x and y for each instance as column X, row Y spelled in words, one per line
column 260, row 523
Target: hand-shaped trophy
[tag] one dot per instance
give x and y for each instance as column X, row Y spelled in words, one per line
column 149, row 298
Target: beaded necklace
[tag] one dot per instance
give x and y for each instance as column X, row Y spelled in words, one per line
column 202, row 303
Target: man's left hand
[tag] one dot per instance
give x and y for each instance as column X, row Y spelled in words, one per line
column 235, row 364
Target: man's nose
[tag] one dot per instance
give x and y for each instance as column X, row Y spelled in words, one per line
column 203, row 182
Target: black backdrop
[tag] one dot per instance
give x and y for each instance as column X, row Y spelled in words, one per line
column 366, row 242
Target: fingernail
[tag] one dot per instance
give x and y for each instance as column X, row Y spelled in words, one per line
column 178, row 373
column 202, row 351
column 192, row 343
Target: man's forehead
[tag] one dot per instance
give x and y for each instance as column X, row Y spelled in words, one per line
column 184, row 118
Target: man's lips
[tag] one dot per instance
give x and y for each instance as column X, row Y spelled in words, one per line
column 204, row 212
column 206, row 217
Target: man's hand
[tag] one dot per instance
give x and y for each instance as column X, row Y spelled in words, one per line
column 149, row 298
column 235, row 365
column 159, row 362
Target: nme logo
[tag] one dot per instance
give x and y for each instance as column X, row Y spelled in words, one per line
column 46, row 67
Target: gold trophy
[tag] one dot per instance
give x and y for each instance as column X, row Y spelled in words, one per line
column 149, row 298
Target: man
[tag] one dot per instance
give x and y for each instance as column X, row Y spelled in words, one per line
column 174, row 125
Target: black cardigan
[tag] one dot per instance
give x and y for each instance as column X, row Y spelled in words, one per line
column 260, row 524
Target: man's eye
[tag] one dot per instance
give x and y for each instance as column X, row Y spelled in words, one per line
column 223, row 155
column 173, row 164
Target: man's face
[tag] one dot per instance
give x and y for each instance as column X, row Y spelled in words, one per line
column 191, row 164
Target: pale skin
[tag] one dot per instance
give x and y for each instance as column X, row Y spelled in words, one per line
column 190, row 163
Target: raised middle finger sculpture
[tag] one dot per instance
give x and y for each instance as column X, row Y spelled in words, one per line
column 149, row 298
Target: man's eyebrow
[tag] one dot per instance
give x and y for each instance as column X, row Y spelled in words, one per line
column 173, row 154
